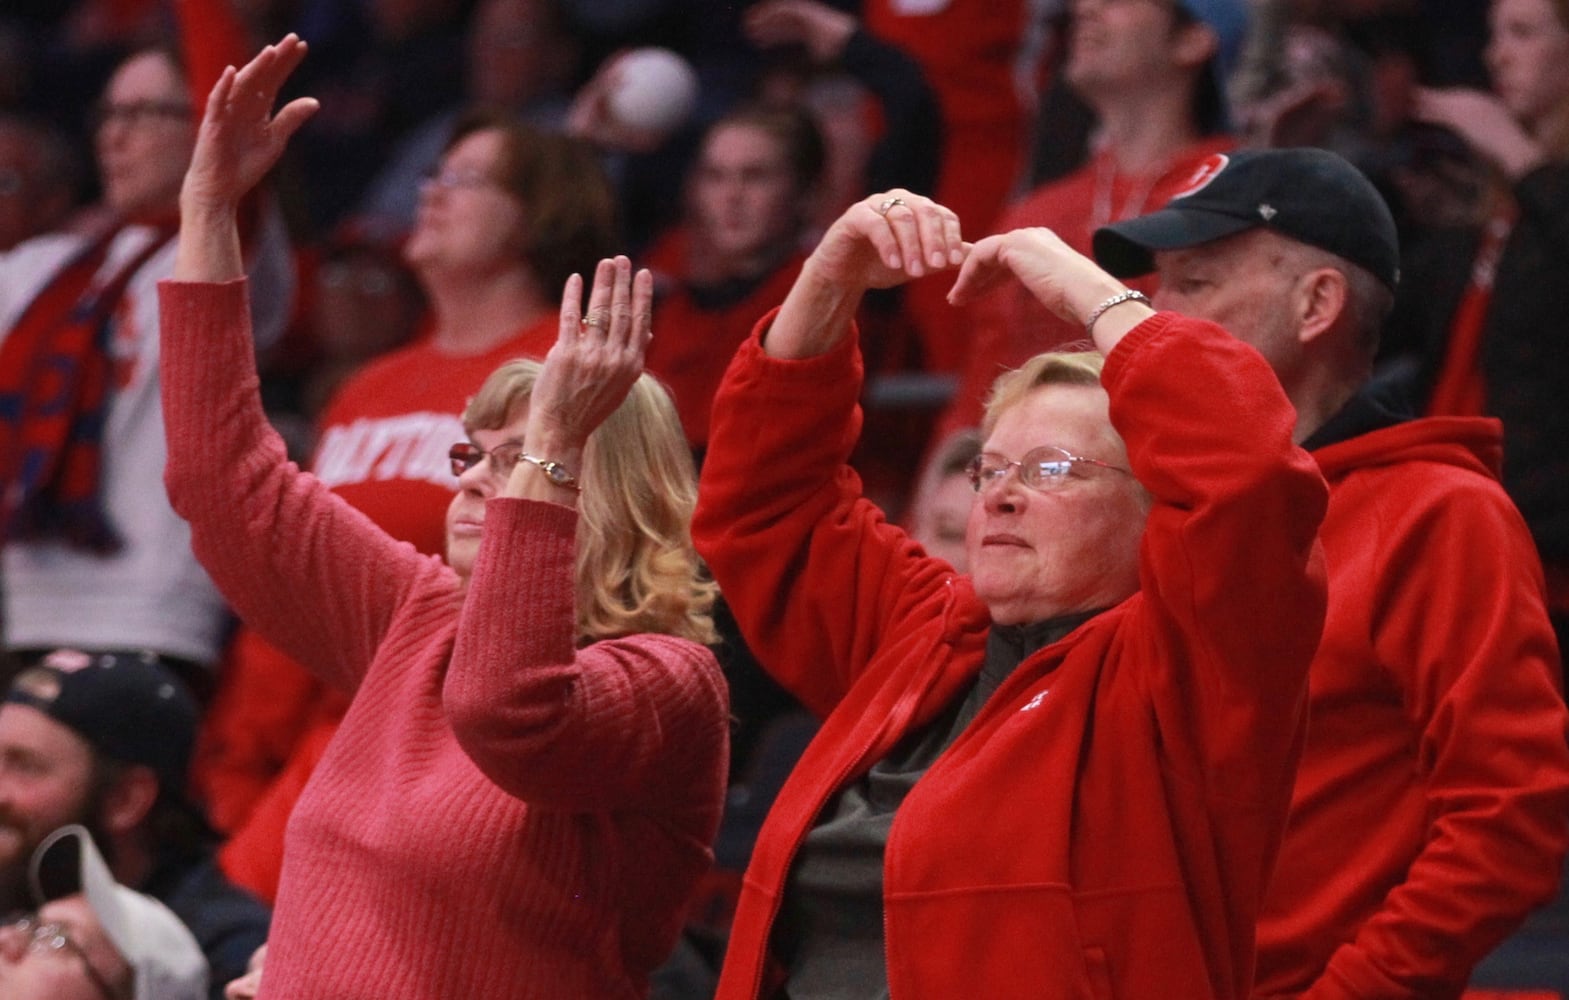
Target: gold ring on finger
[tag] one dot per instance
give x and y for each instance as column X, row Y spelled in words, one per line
column 595, row 321
column 887, row 205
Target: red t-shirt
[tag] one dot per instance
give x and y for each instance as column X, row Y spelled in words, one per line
column 385, row 435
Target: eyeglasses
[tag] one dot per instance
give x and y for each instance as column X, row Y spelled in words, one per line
column 1044, row 469
column 467, row 178
column 55, row 938
column 503, row 457
column 135, row 113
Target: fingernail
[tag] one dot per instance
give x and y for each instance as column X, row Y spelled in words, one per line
column 936, row 258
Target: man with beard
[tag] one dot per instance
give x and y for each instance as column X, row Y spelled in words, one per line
column 104, row 740
column 93, row 939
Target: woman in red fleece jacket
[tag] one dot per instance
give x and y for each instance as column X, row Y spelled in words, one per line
column 521, row 796
column 1065, row 774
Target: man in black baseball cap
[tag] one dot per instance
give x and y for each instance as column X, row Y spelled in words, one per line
column 1427, row 813
column 105, row 740
column 1311, row 196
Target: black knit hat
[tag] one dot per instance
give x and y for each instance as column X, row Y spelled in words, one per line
column 129, row 708
column 1312, row 196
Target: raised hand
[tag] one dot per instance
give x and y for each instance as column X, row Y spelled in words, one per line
column 879, row 242
column 824, row 31
column 1487, row 126
column 597, row 356
column 1065, row 281
column 238, row 142
column 886, row 240
column 240, row 138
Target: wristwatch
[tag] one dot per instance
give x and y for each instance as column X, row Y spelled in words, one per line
column 555, row 472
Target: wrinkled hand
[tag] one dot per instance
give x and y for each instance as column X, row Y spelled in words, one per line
column 887, row 239
column 1482, row 120
column 1064, row 280
column 821, row 29
column 240, row 139
column 597, row 356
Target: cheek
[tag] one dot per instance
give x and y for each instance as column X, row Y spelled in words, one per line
column 974, row 525
column 47, row 803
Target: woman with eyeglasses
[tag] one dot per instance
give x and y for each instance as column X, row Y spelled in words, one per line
column 1064, row 773
column 508, row 214
column 522, row 793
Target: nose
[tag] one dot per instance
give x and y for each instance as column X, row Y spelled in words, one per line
column 1006, row 495
column 430, row 188
column 1492, row 55
column 480, row 479
column 110, row 135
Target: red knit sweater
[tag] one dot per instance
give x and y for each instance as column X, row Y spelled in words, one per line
column 501, row 814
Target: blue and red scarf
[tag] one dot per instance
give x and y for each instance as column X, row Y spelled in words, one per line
column 55, row 372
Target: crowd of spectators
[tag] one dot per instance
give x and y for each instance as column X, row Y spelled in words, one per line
column 467, row 157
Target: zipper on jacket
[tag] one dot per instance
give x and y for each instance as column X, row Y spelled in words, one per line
column 911, row 694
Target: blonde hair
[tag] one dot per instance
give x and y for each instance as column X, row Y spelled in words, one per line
column 1051, row 368
column 637, row 570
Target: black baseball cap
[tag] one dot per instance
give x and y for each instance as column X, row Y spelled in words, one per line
column 1312, row 196
column 130, row 708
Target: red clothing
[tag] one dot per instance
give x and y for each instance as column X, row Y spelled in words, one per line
column 978, row 56
column 1431, row 810
column 693, row 343
column 1010, row 326
column 1105, row 824
column 383, row 447
column 501, row 813
column 385, row 435
column 264, row 704
column 981, row 57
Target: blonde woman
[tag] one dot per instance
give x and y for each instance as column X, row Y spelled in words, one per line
column 522, row 794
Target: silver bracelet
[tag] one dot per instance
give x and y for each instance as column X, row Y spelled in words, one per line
column 555, row 472
column 1126, row 295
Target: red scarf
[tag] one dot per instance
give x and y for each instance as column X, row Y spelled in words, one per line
column 54, row 391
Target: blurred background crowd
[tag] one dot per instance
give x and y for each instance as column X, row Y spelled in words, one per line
column 469, row 154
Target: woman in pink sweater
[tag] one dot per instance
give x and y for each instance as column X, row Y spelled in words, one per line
column 523, row 792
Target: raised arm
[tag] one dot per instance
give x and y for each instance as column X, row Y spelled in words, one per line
column 812, row 570
column 301, row 566
column 636, row 722
column 238, row 142
column 879, row 242
column 1064, row 280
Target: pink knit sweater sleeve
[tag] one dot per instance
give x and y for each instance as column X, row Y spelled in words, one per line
column 300, row 566
column 634, row 723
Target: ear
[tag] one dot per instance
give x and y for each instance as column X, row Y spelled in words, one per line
column 1193, row 44
column 1319, row 301
column 128, row 800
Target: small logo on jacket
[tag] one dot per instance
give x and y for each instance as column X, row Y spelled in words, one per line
column 1035, row 702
